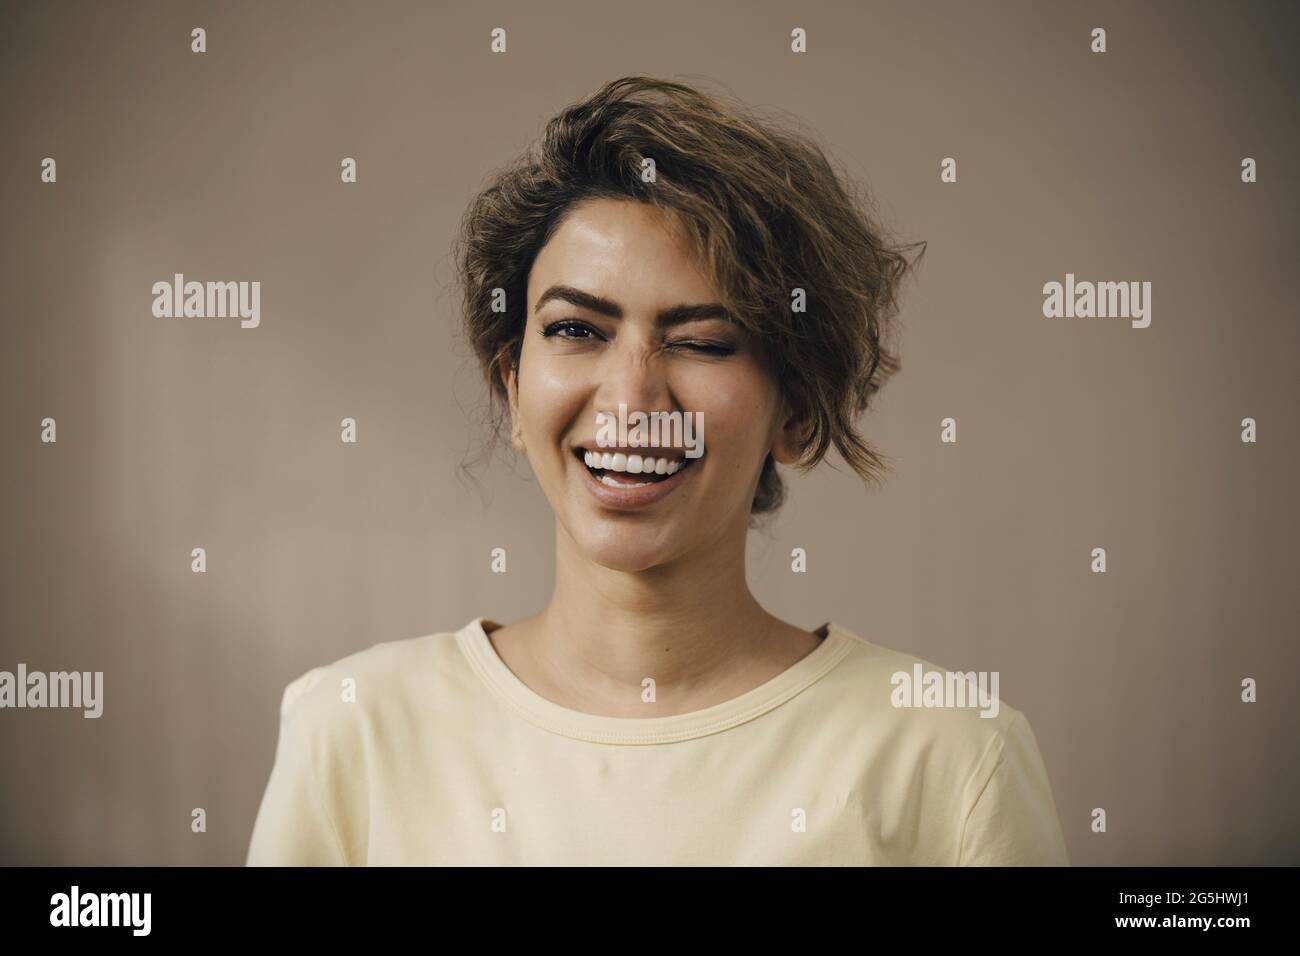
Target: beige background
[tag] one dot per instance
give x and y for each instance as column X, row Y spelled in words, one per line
column 1073, row 434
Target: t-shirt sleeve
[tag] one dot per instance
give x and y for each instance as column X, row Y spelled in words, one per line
column 294, row 826
column 1013, row 821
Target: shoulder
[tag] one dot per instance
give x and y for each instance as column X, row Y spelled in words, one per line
column 922, row 710
column 977, row 767
column 381, row 683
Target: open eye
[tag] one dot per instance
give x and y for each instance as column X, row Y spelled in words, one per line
column 554, row 328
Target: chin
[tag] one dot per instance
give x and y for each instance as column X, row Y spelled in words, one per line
column 626, row 550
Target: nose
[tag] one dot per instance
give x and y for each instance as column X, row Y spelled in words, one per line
column 634, row 374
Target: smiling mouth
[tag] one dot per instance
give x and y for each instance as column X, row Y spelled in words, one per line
column 620, row 469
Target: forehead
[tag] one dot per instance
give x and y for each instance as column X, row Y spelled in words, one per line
column 628, row 251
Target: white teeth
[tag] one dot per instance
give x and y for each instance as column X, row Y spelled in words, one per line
column 606, row 480
column 631, row 464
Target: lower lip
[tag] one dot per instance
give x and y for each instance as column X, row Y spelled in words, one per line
column 633, row 499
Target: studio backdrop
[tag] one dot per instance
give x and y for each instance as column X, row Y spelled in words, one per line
column 1091, row 440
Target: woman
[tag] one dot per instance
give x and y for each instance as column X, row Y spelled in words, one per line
column 664, row 254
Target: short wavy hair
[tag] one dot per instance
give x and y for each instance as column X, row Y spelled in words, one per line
column 765, row 214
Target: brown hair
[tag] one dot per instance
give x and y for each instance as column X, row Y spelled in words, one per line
column 763, row 210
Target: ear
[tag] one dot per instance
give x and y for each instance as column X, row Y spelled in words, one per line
column 788, row 445
column 510, row 378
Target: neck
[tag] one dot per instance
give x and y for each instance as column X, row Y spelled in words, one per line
column 685, row 624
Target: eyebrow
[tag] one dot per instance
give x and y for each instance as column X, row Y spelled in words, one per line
column 677, row 315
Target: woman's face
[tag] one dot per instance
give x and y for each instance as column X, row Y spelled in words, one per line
column 623, row 257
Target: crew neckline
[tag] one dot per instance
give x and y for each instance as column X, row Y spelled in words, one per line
column 598, row 728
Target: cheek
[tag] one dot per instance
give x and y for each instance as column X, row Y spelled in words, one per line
column 558, row 378
column 547, row 395
column 736, row 419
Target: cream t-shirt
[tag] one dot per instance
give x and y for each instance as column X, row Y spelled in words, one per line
column 430, row 751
